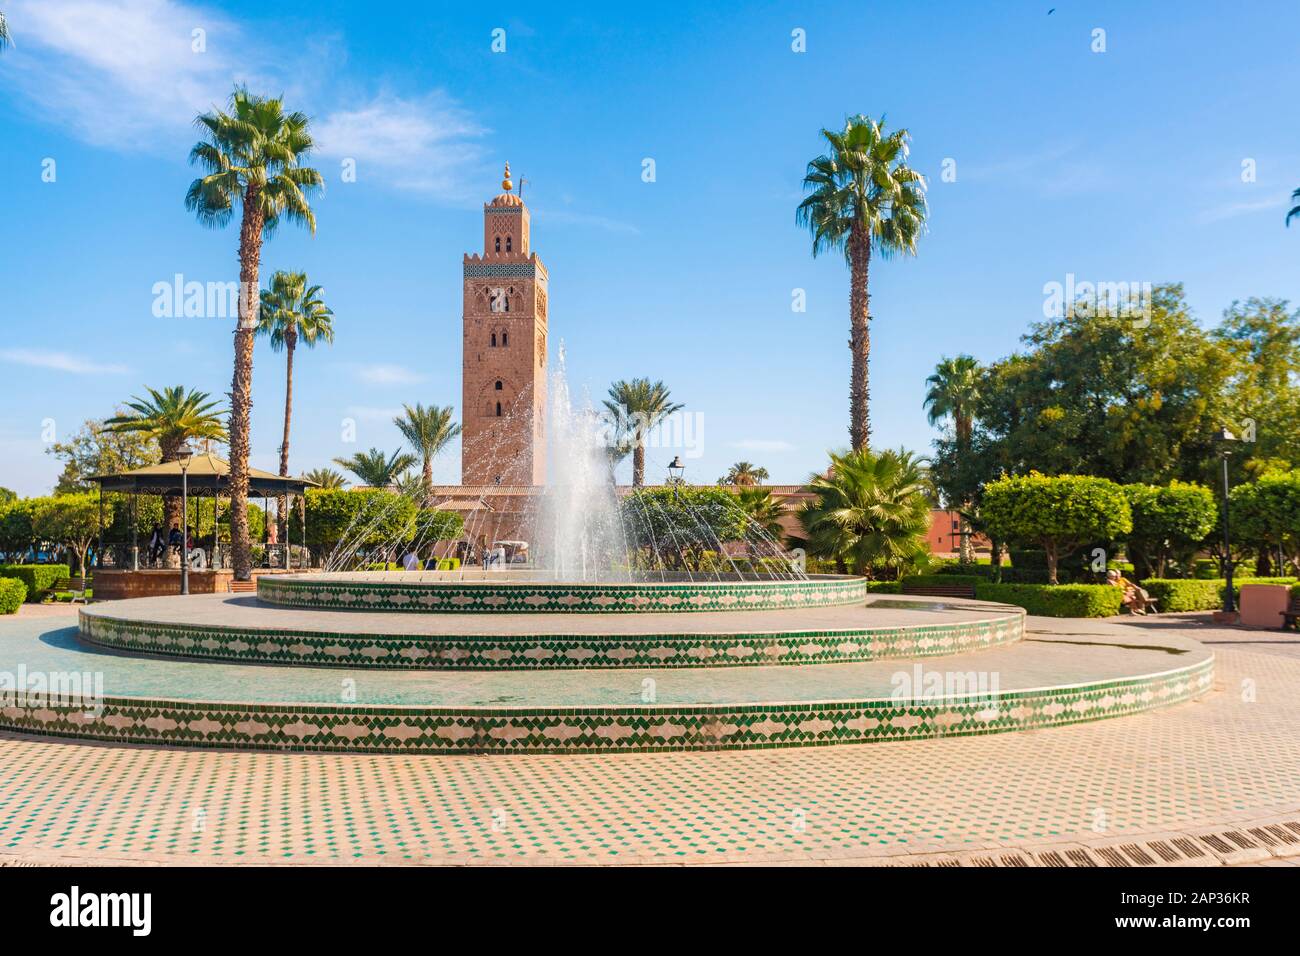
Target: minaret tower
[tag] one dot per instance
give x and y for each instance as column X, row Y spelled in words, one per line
column 503, row 404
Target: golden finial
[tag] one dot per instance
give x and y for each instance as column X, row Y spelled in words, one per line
column 505, row 183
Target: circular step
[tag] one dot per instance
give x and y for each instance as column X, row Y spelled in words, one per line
column 1026, row 685
column 241, row 628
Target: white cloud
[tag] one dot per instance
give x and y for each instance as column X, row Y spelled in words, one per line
column 762, row 444
column 60, row 362
column 120, row 71
column 419, row 144
column 381, row 374
column 1232, row 210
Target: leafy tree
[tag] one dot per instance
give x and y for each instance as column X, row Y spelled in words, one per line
column 97, row 449
column 429, row 430
column 1059, row 514
column 375, row 469
column 7, row 497
column 871, row 513
column 1263, row 391
column 1169, row 522
column 743, row 474
column 357, row 520
column 863, row 198
column 1266, row 516
column 17, row 536
column 71, row 520
column 632, row 410
column 1119, row 398
column 679, row 527
column 327, row 478
column 253, row 156
column 954, row 393
column 292, row 313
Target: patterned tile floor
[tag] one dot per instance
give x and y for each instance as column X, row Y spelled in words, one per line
column 1232, row 756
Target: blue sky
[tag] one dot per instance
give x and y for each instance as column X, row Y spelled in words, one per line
column 1123, row 165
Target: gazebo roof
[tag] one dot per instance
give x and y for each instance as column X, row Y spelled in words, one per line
column 206, row 475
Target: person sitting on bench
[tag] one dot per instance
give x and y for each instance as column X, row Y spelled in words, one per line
column 1136, row 599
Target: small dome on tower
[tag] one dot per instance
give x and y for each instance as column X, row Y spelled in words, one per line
column 507, row 198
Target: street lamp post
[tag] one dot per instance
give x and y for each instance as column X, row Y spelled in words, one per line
column 1225, row 438
column 676, row 470
column 184, row 459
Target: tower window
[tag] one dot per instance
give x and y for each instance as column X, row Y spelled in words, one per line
column 494, row 340
column 498, row 406
column 498, row 246
column 498, row 386
column 505, row 338
column 507, row 243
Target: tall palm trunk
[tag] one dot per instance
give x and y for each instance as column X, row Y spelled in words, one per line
column 171, row 503
column 282, row 502
column 966, row 550
column 428, row 480
column 859, row 338
column 241, row 400
column 638, row 463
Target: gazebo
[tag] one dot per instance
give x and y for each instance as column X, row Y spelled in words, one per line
column 206, row 476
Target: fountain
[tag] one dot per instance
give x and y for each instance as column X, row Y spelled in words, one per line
column 614, row 639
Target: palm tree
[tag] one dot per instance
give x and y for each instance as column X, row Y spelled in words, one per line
column 764, row 513
column 375, row 469
column 954, row 393
column 5, row 39
column 864, row 198
column 634, row 408
column 871, row 512
column 429, row 430
column 252, row 156
column 1294, row 210
column 327, row 478
column 291, row 313
column 172, row 417
column 743, row 475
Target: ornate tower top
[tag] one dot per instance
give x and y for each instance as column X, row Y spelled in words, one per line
column 507, row 198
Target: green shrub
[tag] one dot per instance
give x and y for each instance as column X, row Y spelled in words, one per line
column 940, row 580
column 1185, row 594
column 40, row 579
column 956, row 569
column 1193, row 594
column 1056, row 600
column 884, row 587
column 1014, row 575
column 12, row 594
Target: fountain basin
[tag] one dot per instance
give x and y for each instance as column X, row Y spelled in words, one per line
column 525, row 592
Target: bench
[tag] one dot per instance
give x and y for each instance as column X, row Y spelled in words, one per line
column 242, row 587
column 1292, row 613
column 941, row 590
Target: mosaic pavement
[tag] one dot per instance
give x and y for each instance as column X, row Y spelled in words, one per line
column 1228, row 759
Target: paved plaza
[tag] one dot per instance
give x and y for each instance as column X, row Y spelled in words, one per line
column 1209, row 781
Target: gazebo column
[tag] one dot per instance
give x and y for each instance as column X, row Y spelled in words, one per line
column 135, row 535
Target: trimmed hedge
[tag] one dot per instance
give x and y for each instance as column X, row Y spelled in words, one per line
column 985, row 571
column 12, row 594
column 884, row 587
column 1195, row 594
column 1059, row 600
column 39, row 578
column 940, row 580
